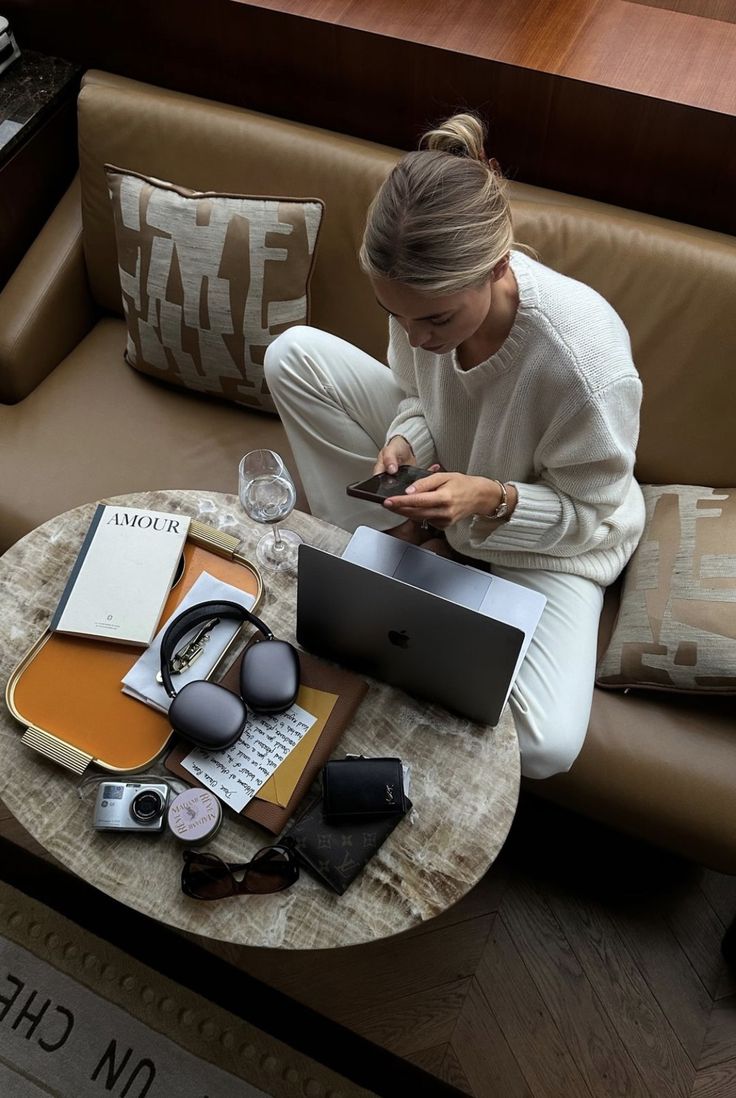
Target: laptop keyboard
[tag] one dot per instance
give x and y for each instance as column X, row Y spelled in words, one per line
column 443, row 577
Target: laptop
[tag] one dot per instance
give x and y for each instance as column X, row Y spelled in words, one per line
column 415, row 620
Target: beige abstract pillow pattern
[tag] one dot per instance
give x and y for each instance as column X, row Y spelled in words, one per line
column 676, row 626
column 209, row 280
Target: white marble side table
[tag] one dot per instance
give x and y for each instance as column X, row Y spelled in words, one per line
column 465, row 777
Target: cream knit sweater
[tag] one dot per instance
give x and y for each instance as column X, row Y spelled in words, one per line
column 555, row 412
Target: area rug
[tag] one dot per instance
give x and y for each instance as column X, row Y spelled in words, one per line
column 80, row 1018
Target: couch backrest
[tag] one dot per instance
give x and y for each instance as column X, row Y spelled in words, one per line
column 212, row 146
column 673, row 285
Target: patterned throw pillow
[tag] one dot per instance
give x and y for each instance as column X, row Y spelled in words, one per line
column 676, row 625
column 209, row 280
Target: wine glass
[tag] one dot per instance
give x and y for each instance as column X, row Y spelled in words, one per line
column 267, row 494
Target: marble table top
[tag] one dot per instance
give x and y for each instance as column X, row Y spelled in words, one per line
column 464, row 776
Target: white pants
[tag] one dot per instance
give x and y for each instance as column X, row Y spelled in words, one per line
column 336, row 403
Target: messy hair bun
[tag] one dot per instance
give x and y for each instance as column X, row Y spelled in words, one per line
column 461, row 135
column 441, row 220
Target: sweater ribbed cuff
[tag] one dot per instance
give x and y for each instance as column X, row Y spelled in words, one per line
column 538, row 508
column 416, row 433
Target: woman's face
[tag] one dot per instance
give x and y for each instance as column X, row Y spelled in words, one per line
column 436, row 324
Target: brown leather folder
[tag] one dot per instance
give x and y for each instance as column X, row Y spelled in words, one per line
column 349, row 689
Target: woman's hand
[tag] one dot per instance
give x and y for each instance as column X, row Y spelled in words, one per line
column 396, row 452
column 444, row 498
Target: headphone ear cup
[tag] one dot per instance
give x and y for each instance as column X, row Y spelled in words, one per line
column 269, row 676
column 208, row 715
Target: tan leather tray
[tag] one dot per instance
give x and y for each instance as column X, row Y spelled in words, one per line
column 67, row 691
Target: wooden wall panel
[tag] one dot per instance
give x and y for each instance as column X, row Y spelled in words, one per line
column 573, row 135
column 644, row 48
column 706, row 9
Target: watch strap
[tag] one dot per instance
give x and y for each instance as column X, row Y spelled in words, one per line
column 503, row 508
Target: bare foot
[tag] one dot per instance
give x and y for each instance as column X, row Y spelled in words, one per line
column 413, row 532
column 442, row 548
column 438, row 546
column 434, row 540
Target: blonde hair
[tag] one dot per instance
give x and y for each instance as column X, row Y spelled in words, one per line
column 441, row 220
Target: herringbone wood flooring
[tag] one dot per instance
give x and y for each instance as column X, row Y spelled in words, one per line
column 584, row 965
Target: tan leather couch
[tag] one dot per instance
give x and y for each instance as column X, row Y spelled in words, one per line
column 77, row 424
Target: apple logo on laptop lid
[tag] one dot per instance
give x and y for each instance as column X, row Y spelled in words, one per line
column 400, row 639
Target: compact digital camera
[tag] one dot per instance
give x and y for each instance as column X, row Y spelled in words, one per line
column 131, row 806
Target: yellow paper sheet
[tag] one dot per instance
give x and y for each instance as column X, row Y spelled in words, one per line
column 278, row 788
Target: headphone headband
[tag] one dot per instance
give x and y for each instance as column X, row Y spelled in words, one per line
column 195, row 616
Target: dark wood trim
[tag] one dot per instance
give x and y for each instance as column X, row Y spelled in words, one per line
column 33, row 180
column 634, row 150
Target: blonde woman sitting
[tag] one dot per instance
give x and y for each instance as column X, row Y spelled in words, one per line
column 515, row 383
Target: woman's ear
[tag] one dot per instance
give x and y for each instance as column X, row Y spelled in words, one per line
column 501, row 268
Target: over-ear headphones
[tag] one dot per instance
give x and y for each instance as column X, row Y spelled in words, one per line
column 211, row 716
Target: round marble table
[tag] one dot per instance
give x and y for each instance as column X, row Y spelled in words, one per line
column 464, row 776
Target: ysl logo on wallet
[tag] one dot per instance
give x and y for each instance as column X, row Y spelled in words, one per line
column 390, row 795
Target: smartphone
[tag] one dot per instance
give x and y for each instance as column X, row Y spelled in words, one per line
column 384, row 485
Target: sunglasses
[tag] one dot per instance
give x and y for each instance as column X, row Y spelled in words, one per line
column 208, row 877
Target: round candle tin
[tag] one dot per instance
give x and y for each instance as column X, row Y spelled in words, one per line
column 195, row 816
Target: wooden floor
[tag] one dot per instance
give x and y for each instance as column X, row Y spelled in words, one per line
column 584, row 965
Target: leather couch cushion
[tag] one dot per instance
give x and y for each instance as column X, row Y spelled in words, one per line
column 94, row 428
column 676, row 626
column 672, row 284
column 658, row 766
column 207, row 146
column 209, row 280
column 674, row 288
column 655, row 765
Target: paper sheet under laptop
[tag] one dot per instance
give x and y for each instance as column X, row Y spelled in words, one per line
column 492, row 596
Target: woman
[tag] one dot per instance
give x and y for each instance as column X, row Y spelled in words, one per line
column 516, row 380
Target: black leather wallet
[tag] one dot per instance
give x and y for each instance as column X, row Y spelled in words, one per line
column 336, row 853
column 359, row 788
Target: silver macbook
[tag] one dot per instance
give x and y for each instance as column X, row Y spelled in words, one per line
column 479, row 590
column 388, row 627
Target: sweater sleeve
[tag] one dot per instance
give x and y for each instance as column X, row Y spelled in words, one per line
column 586, row 473
column 409, row 420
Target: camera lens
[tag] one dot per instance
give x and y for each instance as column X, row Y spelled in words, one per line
column 147, row 806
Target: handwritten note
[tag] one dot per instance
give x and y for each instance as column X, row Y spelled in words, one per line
column 236, row 774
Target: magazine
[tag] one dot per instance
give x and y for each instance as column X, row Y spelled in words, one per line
column 122, row 575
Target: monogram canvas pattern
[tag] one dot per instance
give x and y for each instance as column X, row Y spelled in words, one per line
column 676, row 627
column 209, row 280
column 338, row 852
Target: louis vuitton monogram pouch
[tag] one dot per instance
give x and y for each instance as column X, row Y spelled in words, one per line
column 337, row 853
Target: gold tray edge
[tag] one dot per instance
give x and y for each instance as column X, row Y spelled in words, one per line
column 206, row 537
column 59, row 751
column 17, row 672
column 225, row 545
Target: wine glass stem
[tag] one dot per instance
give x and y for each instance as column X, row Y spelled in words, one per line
column 278, row 541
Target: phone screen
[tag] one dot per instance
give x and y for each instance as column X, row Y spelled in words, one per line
column 384, row 485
